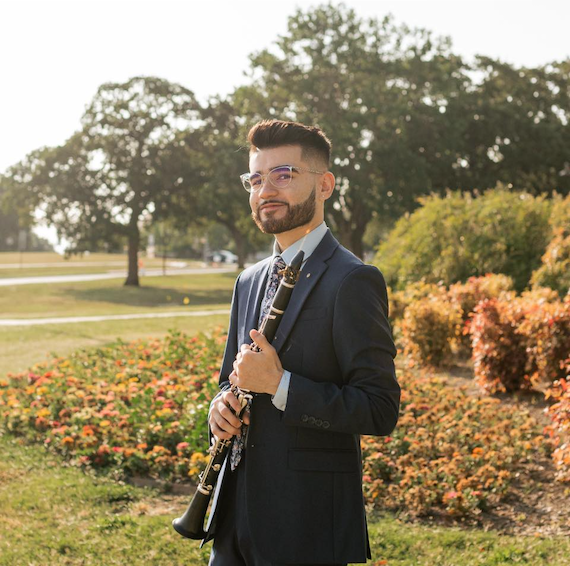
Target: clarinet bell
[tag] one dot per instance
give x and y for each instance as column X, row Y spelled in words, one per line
column 191, row 524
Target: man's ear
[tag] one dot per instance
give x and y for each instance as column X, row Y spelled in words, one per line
column 327, row 185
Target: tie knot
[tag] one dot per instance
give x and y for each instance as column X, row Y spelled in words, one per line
column 278, row 264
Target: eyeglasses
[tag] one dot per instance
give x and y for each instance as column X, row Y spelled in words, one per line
column 280, row 177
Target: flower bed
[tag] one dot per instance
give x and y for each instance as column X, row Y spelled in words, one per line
column 141, row 409
column 138, row 407
column 451, row 453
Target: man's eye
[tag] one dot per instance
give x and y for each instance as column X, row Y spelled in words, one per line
column 284, row 176
column 255, row 180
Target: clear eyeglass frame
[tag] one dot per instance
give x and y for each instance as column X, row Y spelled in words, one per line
column 280, row 177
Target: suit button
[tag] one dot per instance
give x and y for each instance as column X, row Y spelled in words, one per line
column 311, row 420
column 326, row 424
column 304, row 418
column 319, row 422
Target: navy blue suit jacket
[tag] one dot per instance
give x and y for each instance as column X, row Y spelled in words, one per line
column 303, row 465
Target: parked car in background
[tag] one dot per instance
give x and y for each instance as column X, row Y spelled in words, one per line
column 224, row 256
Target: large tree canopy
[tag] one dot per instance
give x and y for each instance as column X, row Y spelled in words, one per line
column 407, row 117
column 369, row 85
column 126, row 163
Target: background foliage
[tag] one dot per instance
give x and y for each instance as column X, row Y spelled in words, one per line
column 457, row 236
column 408, row 118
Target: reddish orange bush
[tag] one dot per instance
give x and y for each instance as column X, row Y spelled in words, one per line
column 500, row 359
column 467, row 295
column 546, row 328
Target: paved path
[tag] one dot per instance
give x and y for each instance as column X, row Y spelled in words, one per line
column 157, row 272
column 68, row 319
column 25, row 265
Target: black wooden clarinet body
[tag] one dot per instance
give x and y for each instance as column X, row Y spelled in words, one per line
column 191, row 524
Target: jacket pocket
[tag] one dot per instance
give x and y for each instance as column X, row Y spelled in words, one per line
column 323, row 460
column 312, row 313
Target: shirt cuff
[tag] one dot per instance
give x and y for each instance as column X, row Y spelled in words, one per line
column 280, row 397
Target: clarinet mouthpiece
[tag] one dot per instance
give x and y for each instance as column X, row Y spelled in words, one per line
column 297, row 261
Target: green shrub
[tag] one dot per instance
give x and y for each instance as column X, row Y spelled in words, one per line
column 452, row 238
column 413, row 292
column 430, row 330
column 555, row 269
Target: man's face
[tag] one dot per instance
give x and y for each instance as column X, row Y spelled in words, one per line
column 275, row 210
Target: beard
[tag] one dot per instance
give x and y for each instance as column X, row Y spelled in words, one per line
column 296, row 215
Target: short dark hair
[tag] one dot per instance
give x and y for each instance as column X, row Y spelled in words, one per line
column 275, row 133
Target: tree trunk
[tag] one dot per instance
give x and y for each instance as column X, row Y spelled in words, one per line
column 133, row 273
column 240, row 248
column 351, row 233
column 356, row 245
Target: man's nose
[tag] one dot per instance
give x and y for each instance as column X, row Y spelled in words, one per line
column 267, row 187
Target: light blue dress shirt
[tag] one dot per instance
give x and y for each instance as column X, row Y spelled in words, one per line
column 308, row 244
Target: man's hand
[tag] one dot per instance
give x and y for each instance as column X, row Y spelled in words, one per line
column 259, row 372
column 223, row 420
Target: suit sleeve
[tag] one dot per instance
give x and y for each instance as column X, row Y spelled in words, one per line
column 230, row 353
column 367, row 400
column 231, row 348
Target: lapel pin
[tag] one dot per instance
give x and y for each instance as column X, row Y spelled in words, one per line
column 308, row 275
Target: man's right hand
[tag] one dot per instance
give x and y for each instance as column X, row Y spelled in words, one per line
column 223, row 421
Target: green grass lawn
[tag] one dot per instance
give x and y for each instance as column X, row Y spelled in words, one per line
column 55, row 515
column 110, row 296
column 22, row 346
column 27, row 258
column 56, row 270
column 34, row 264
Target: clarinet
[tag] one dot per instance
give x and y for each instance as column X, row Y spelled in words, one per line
column 191, row 524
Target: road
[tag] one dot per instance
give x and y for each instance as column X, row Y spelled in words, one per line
column 155, row 272
column 70, row 319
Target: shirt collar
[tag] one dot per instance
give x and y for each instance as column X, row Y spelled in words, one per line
column 307, row 243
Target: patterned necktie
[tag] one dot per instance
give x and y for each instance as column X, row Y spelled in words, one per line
column 274, row 279
column 270, row 291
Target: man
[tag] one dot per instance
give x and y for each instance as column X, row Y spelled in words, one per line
column 295, row 495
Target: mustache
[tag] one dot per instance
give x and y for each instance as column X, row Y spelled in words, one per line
column 272, row 201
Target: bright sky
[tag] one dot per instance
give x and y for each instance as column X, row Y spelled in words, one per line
column 55, row 54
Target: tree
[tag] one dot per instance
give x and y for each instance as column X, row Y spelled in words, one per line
column 364, row 83
column 220, row 148
column 125, row 164
column 408, row 117
column 9, row 225
column 17, row 206
column 513, row 124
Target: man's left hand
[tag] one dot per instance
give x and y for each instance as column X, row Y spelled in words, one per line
column 259, row 372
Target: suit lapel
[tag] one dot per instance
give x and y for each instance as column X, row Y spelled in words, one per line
column 255, row 296
column 311, row 273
